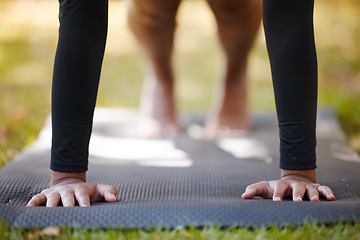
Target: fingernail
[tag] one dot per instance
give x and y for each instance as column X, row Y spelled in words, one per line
column 85, row 206
column 314, row 198
column 277, row 199
column 331, row 196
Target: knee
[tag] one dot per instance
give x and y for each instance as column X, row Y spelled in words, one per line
column 232, row 10
column 152, row 13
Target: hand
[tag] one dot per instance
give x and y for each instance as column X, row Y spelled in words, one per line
column 70, row 187
column 295, row 184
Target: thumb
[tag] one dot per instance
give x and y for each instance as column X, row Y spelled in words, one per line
column 249, row 193
column 261, row 189
column 107, row 192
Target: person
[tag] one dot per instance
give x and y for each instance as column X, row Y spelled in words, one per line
column 153, row 24
column 82, row 34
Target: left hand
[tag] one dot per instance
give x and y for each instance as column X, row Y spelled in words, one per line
column 294, row 184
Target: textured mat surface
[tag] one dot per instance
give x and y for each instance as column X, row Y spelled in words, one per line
column 186, row 180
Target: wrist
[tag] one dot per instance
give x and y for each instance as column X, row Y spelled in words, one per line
column 59, row 177
column 308, row 174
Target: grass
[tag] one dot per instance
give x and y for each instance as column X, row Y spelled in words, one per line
column 306, row 231
column 27, row 46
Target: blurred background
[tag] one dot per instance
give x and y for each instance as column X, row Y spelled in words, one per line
column 28, row 37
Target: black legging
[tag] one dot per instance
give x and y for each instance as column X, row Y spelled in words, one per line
column 82, row 35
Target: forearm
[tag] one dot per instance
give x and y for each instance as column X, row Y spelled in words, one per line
column 290, row 42
column 77, row 67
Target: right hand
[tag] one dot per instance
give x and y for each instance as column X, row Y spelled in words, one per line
column 72, row 188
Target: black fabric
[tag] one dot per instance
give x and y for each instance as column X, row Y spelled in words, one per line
column 151, row 193
column 82, row 35
column 79, row 55
column 289, row 35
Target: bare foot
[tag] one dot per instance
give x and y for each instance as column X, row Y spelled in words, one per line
column 231, row 116
column 157, row 110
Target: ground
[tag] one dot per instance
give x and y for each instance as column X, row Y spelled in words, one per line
column 28, row 40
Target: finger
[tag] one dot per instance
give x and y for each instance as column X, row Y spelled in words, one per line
column 53, row 199
column 298, row 191
column 107, row 192
column 257, row 189
column 280, row 189
column 250, row 192
column 327, row 193
column 82, row 197
column 67, row 197
column 312, row 193
column 37, row 200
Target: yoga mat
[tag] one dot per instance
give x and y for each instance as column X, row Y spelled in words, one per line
column 187, row 180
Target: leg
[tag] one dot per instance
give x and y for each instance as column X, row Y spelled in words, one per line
column 290, row 41
column 238, row 22
column 153, row 24
column 82, row 37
